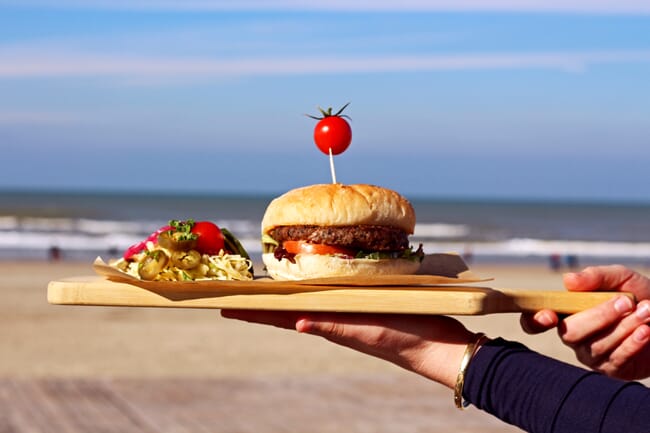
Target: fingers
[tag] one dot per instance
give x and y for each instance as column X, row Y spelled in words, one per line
column 366, row 326
column 620, row 362
column 280, row 319
column 609, row 348
column 607, row 341
column 597, row 278
column 612, row 277
column 541, row 321
column 351, row 333
column 579, row 326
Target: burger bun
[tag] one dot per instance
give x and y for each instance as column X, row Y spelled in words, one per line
column 340, row 205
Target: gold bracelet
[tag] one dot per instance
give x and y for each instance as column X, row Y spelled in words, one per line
column 470, row 351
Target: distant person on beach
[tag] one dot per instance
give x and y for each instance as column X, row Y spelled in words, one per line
column 555, row 262
column 572, row 261
column 55, row 253
column 505, row 378
column 614, row 337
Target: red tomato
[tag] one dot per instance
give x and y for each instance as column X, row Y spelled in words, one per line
column 302, row 247
column 333, row 133
column 210, row 239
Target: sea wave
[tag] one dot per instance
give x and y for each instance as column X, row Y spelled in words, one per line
column 546, row 248
column 28, row 237
column 84, row 237
column 39, row 243
column 440, row 230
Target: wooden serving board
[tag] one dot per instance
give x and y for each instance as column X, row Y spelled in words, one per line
column 259, row 295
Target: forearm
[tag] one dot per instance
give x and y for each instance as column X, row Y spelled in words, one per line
column 540, row 394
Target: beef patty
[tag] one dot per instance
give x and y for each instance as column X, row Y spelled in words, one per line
column 361, row 237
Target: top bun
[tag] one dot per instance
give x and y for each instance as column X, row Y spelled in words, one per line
column 340, row 205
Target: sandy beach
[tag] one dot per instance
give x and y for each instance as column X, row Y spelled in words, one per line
column 71, row 341
column 40, row 341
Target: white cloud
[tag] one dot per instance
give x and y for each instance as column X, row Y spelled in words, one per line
column 74, row 65
column 569, row 6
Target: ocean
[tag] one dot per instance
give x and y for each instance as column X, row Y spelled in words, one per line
column 83, row 226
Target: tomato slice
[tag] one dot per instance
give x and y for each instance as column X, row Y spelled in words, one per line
column 302, row 247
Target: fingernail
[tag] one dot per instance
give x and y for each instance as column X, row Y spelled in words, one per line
column 304, row 326
column 544, row 318
column 641, row 334
column 643, row 311
column 623, row 304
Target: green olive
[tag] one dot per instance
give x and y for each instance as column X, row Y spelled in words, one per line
column 154, row 262
column 177, row 241
column 186, row 259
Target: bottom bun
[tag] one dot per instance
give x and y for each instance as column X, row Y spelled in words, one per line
column 323, row 266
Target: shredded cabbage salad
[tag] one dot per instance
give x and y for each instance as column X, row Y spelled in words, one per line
column 222, row 266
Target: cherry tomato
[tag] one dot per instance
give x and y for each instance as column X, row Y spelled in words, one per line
column 210, row 240
column 302, row 247
column 332, row 131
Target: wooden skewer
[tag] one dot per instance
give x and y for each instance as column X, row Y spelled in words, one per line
column 332, row 166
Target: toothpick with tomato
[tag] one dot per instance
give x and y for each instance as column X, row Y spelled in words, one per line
column 332, row 134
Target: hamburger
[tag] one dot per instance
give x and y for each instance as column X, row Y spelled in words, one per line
column 335, row 230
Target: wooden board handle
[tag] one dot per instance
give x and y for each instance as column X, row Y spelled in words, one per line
column 519, row 300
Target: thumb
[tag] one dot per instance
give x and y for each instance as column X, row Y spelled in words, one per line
column 612, row 277
column 584, row 281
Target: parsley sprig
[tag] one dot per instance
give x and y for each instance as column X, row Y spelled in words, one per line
column 183, row 230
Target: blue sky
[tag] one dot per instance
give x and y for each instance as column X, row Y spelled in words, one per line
column 507, row 99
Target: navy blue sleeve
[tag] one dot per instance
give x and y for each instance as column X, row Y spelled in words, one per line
column 543, row 395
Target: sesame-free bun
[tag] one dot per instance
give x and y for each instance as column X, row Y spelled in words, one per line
column 322, row 266
column 340, row 205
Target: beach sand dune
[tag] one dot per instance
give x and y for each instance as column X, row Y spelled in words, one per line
column 230, row 375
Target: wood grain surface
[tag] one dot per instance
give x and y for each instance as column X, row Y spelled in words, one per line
column 428, row 299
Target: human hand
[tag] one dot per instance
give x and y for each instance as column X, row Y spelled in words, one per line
column 431, row 346
column 612, row 337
